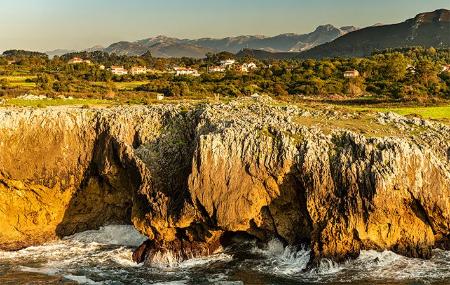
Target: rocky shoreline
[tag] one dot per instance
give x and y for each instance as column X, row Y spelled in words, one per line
column 195, row 178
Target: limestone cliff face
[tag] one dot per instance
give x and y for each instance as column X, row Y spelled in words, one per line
column 189, row 177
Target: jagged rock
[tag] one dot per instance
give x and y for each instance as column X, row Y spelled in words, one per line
column 189, row 177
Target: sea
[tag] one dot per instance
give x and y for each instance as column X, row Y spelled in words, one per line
column 104, row 257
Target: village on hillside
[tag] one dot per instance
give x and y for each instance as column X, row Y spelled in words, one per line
column 415, row 74
column 225, row 65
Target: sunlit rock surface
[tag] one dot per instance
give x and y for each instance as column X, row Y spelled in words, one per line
column 194, row 178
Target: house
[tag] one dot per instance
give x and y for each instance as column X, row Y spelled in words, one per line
column 101, row 67
column 160, row 97
column 77, row 60
column 216, row 69
column 118, row 70
column 180, row 71
column 10, row 62
column 351, row 74
column 410, row 69
column 250, row 66
column 241, row 68
column 227, row 63
column 446, row 68
column 138, row 70
column 255, row 96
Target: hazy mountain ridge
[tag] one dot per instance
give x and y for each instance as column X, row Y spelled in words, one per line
column 162, row 46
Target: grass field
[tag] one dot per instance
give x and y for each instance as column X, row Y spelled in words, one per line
column 123, row 86
column 58, row 102
column 129, row 85
column 20, row 81
column 432, row 112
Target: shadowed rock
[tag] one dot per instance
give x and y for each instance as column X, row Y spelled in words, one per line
column 190, row 177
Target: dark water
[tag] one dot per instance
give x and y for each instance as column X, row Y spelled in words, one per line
column 104, row 257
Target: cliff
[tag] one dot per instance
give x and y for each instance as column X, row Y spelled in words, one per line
column 193, row 177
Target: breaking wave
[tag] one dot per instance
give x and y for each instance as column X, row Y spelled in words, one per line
column 104, row 257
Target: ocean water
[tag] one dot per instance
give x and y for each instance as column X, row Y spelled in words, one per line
column 104, row 257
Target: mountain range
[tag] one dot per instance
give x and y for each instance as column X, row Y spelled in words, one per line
column 163, row 46
column 431, row 29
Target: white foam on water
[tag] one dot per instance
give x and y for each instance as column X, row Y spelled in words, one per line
column 388, row 265
column 169, row 260
column 181, row 282
column 203, row 261
column 113, row 235
column 81, row 279
column 282, row 260
column 46, row 271
column 370, row 265
column 106, row 254
column 91, row 251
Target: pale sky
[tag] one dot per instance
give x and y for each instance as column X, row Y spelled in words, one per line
column 77, row 24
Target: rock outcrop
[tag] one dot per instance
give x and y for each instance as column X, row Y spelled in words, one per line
column 191, row 177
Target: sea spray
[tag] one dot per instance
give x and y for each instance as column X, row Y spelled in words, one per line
column 104, row 257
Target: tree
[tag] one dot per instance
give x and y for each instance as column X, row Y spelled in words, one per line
column 427, row 72
column 395, row 67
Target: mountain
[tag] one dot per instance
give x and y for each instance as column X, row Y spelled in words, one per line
column 95, row 48
column 281, row 43
column 263, row 54
column 162, row 46
column 58, row 52
column 430, row 29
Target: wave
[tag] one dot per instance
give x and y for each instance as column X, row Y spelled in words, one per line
column 114, row 235
column 104, row 257
column 370, row 265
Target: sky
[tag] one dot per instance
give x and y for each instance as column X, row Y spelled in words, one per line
column 44, row 25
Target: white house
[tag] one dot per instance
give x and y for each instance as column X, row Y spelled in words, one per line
column 446, row 68
column 118, row 70
column 351, row 74
column 250, row 66
column 180, row 71
column 138, row 70
column 411, row 69
column 227, row 63
column 241, row 68
column 77, row 60
column 216, row 69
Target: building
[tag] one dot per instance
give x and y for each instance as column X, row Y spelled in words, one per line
column 241, row 68
column 250, row 66
column 410, row 69
column 255, row 96
column 10, row 62
column 446, row 68
column 227, row 63
column 244, row 68
column 351, row 74
column 77, row 60
column 118, row 70
column 101, row 67
column 216, row 69
column 180, row 71
column 138, row 70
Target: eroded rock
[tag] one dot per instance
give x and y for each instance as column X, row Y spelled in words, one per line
column 188, row 176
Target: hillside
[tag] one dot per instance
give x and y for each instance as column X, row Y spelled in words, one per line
column 430, row 29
